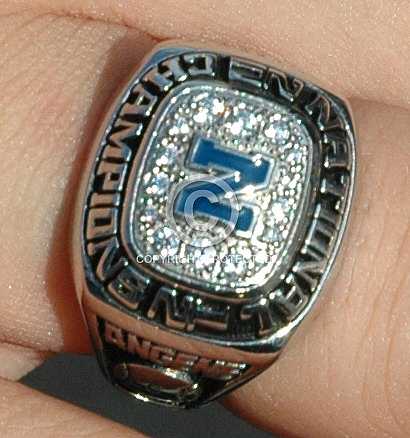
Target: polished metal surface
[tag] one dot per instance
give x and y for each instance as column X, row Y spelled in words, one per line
column 211, row 212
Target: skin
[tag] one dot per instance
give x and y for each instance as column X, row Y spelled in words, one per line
column 345, row 372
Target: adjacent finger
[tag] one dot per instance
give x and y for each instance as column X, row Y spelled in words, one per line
column 345, row 373
column 357, row 47
column 57, row 77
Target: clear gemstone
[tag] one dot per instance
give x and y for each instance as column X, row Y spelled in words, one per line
column 218, row 107
column 166, row 241
column 278, row 212
column 286, row 179
column 242, row 123
column 205, row 257
column 236, row 127
column 234, row 264
column 180, row 127
column 293, row 183
column 160, row 184
column 261, row 258
column 150, row 215
column 279, row 132
column 271, row 234
column 201, row 116
column 171, row 153
column 294, row 157
column 201, row 242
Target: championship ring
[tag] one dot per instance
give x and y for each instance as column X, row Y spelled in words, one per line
column 214, row 204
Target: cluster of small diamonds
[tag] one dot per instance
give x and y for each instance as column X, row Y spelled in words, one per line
column 246, row 124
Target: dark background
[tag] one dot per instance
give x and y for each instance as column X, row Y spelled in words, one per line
column 78, row 380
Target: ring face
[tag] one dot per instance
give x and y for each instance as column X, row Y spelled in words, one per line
column 215, row 206
column 219, row 188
